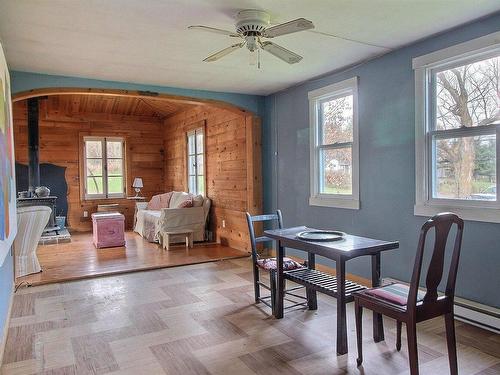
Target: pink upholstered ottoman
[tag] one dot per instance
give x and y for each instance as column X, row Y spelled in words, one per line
column 108, row 229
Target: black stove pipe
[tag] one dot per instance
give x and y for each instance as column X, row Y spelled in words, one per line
column 33, row 146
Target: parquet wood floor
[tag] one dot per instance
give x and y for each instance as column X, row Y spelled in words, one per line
column 201, row 319
column 80, row 259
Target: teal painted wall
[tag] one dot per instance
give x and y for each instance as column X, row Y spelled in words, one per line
column 6, row 286
column 387, row 166
column 23, row 81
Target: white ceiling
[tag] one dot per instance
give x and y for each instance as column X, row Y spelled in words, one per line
column 147, row 42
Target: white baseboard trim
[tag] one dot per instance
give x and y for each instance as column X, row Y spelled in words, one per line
column 477, row 314
column 6, row 328
column 471, row 312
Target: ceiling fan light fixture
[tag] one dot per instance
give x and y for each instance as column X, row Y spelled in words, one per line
column 252, row 21
column 251, row 26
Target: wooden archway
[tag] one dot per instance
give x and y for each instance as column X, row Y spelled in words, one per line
column 127, row 93
column 235, row 234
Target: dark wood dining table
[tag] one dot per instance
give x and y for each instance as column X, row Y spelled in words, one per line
column 337, row 286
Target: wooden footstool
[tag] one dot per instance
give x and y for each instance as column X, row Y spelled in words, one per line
column 165, row 237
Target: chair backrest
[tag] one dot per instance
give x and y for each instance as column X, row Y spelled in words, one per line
column 275, row 219
column 442, row 224
column 31, row 222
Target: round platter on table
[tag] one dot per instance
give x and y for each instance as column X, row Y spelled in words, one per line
column 320, row 235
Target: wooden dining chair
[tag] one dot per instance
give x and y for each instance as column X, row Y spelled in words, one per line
column 270, row 264
column 409, row 305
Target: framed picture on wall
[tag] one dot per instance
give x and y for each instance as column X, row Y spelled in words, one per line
column 8, row 224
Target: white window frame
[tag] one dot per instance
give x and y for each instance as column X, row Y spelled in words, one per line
column 425, row 204
column 105, row 194
column 195, row 132
column 339, row 89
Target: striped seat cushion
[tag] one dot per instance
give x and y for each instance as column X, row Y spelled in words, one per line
column 395, row 293
column 271, row 264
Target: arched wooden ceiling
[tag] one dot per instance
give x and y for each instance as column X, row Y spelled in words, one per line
column 123, row 102
column 116, row 105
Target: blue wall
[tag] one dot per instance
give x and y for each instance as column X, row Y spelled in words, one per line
column 387, row 166
column 23, row 81
column 6, row 281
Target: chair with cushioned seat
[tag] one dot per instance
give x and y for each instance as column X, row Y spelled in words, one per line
column 409, row 305
column 270, row 264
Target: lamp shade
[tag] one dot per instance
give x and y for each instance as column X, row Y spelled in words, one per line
column 137, row 183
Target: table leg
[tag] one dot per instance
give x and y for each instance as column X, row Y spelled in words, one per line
column 312, row 299
column 280, row 292
column 378, row 323
column 341, row 308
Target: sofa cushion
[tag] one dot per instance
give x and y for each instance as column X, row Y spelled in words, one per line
column 198, row 200
column 159, row 201
column 178, row 197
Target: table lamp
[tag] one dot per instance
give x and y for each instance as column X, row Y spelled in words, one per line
column 137, row 185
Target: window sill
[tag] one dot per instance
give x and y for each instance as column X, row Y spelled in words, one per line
column 334, row 202
column 485, row 214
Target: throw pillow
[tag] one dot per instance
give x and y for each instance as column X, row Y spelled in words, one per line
column 187, row 203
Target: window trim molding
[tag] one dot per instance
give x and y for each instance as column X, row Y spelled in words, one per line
column 425, row 205
column 348, row 86
column 83, row 174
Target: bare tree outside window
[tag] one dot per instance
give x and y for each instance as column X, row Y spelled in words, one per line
column 466, row 97
column 337, row 131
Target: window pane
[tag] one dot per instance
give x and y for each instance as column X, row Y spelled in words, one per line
column 191, row 144
column 115, row 167
column 335, row 171
column 115, row 185
column 199, row 160
column 192, row 184
column 94, row 167
column 93, row 149
column 191, row 165
column 114, row 149
column 201, row 185
column 468, row 95
column 465, row 168
column 337, row 117
column 199, row 142
column 94, row 185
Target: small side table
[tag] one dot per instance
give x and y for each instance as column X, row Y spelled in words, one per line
column 165, row 238
column 108, row 229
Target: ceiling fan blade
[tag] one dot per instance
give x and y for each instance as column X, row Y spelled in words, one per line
column 281, row 52
column 300, row 24
column 214, row 30
column 226, row 51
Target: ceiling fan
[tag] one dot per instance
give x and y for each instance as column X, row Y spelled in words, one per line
column 252, row 26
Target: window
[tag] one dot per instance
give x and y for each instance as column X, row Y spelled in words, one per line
column 334, row 145
column 196, row 161
column 458, row 126
column 104, row 172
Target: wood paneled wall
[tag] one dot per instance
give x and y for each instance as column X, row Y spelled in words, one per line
column 233, row 166
column 61, row 130
column 156, row 151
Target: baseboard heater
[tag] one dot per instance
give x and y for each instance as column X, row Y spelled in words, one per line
column 471, row 312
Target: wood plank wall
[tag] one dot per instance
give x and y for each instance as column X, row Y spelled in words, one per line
column 61, row 130
column 233, row 166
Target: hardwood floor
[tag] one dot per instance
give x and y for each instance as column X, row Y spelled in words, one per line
column 80, row 259
column 201, row 319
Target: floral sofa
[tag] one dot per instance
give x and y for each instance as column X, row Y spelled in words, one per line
column 173, row 211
